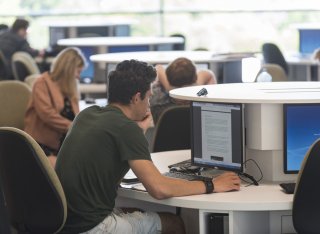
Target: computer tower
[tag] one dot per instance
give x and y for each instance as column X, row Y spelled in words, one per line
column 218, row 223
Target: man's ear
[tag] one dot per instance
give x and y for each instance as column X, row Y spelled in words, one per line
column 135, row 98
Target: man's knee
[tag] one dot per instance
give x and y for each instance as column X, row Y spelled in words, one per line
column 171, row 223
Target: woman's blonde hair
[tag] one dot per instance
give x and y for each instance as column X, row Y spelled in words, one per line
column 63, row 70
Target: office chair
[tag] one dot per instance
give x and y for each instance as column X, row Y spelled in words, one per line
column 31, row 79
column 272, row 54
column 306, row 204
column 14, row 98
column 4, row 224
column 277, row 73
column 34, row 196
column 23, row 65
column 4, row 73
column 172, row 131
column 179, row 46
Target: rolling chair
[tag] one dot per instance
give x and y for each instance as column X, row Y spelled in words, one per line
column 23, row 65
column 14, row 98
column 34, row 196
column 272, row 54
column 306, row 203
column 4, row 73
column 179, row 46
column 277, row 73
column 172, row 131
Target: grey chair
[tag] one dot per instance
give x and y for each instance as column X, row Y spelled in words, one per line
column 14, row 98
column 306, row 203
column 172, row 131
column 34, row 197
column 277, row 73
column 23, row 65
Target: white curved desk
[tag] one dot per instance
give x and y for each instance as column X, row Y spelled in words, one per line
column 263, row 115
column 101, row 45
column 248, row 209
column 266, row 93
column 214, row 62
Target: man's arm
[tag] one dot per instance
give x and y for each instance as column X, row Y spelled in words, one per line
column 162, row 78
column 162, row 187
column 205, row 77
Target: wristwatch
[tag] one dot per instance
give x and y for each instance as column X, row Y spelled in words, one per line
column 209, row 185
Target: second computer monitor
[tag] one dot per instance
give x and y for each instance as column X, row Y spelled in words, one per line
column 301, row 129
column 217, row 135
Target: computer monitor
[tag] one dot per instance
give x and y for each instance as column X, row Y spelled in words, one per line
column 309, row 40
column 301, row 128
column 87, row 75
column 217, row 135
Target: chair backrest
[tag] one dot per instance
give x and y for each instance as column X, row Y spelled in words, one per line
column 14, row 98
column 306, row 200
column 277, row 73
column 4, row 73
column 31, row 79
column 179, row 46
column 33, row 193
column 272, row 54
column 172, row 131
column 23, row 65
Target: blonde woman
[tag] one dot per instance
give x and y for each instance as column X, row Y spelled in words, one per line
column 54, row 102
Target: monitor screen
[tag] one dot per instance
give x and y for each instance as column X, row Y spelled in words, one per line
column 301, row 128
column 217, row 135
column 309, row 40
column 87, row 74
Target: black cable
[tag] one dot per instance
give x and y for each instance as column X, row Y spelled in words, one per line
column 253, row 181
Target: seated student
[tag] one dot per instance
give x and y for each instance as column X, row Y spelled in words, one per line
column 316, row 54
column 55, row 102
column 14, row 40
column 103, row 144
column 180, row 72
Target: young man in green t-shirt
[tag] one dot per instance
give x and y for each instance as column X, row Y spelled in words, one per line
column 103, row 144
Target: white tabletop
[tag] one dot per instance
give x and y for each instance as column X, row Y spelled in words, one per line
column 252, row 198
column 167, row 56
column 268, row 92
column 119, row 41
column 90, row 22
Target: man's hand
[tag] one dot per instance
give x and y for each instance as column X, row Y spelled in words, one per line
column 226, row 182
column 146, row 123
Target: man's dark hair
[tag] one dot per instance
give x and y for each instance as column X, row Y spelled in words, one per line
column 181, row 72
column 129, row 78
column 19, row 24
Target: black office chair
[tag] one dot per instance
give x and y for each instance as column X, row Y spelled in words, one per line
column 172, row 131
column 4, row 73
column 306, row 203
column 34, row 196
column 272, row 54
column 179, row 46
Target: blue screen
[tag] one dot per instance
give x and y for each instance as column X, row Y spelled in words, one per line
column 301, row 129
column 129, row 48
column 88, row 72
column 309, row 40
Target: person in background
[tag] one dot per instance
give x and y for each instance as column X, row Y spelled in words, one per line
column 3, row 28
column 316, row 55
column 55, row 102
column 14, row 40
column 103, row 144
column 180, row 73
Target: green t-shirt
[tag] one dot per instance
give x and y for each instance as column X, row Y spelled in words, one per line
column 92, row 161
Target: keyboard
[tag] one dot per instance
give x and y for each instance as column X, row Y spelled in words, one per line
column 185, row 163
column 185, row 176
column 288, row 187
